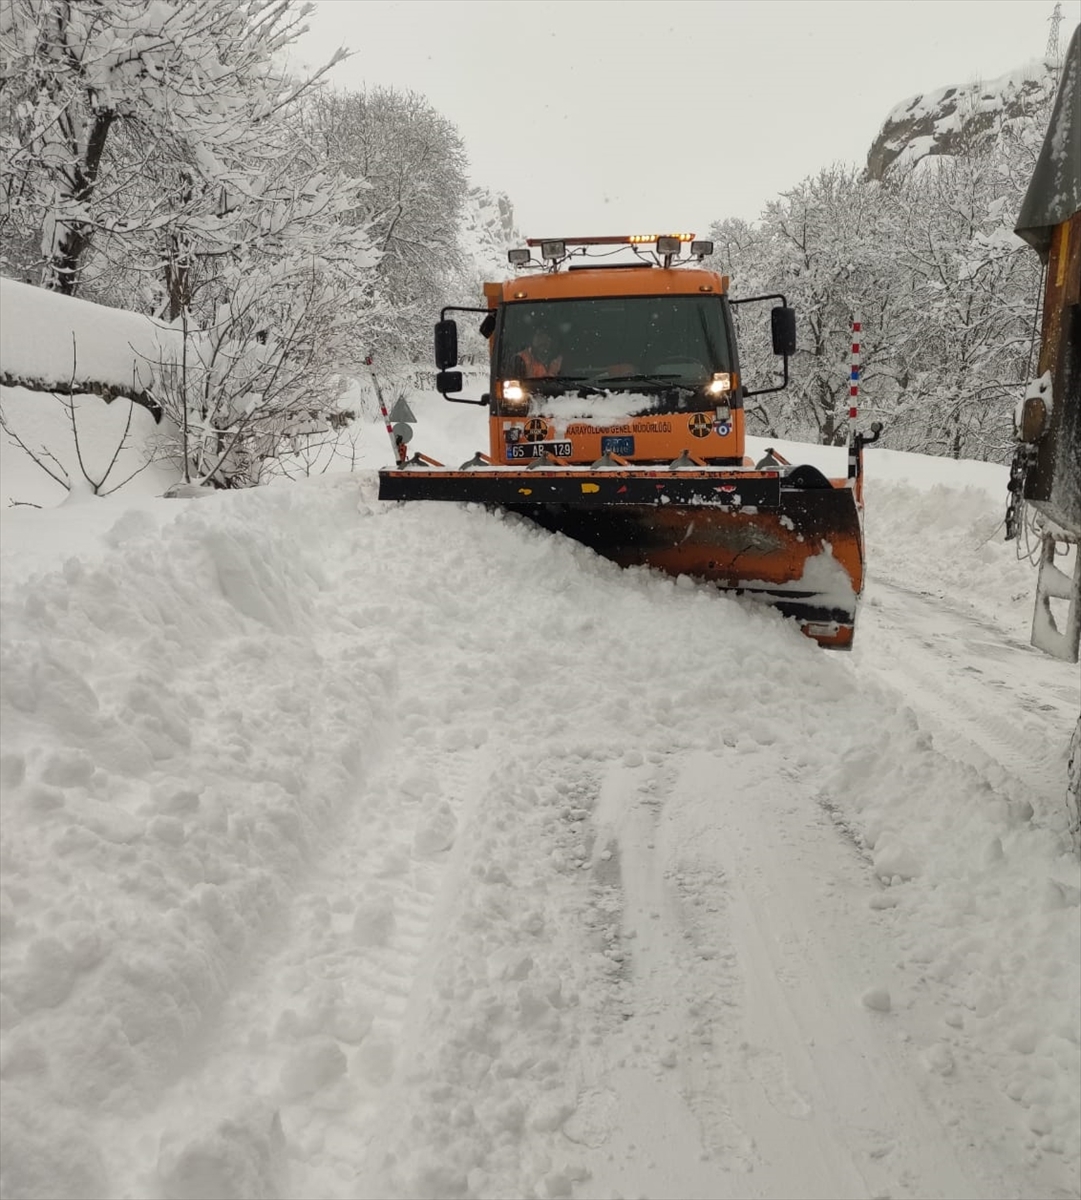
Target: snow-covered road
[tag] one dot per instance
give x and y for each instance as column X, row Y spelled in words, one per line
column 357, row 850
column 992, row 700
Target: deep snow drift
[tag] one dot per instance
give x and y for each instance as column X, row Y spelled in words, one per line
column 364, row 850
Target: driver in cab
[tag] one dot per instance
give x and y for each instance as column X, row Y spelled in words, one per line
column 538, row 360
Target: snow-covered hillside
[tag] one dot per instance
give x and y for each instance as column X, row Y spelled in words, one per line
column 361, row 850
column 961, row 117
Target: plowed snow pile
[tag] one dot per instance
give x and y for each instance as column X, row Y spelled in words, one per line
column 361, row 850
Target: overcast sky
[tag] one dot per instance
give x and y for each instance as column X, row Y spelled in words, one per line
column 608, row 117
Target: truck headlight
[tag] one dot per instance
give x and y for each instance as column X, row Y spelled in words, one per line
column 514, row 398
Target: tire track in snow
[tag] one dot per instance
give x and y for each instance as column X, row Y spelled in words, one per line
column 960, row 805
column 479, row 1102
column 1009, row 717
column 284, row 1096
column 656, row 1108
column 740, row 1004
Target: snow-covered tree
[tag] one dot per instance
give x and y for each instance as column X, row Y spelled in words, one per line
column 157, row 150
column 190, row 81
column 817, row 245
column 970, row 294
column 413, row 165
column 927, row 259
column 742, row 252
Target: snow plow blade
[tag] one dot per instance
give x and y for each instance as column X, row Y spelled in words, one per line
column 797, row 546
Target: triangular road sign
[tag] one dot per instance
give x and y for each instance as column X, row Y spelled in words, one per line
column 401, row 411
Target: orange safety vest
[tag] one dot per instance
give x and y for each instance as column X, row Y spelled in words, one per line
column 535, row 369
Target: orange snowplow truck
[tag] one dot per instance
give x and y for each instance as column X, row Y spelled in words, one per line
column 616, row 419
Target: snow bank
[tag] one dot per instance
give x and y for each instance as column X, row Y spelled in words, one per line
column 183, row 724
column 111, row 446
column 946, row 538
column 51, row 339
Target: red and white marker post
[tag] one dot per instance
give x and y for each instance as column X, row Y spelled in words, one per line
column 396, row 444
column 854, row 448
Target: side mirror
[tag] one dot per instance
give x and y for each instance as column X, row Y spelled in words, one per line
column 448, row 381
column 783, row 328
column 487, row 326
column 446, row 347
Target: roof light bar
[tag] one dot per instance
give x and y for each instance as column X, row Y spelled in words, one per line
column 639, row 239
column 623, row 239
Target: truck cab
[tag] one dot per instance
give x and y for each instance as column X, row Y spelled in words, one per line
column 641, row 364
column 614, row 364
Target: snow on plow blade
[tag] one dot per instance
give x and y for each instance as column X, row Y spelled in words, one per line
column 798, row 548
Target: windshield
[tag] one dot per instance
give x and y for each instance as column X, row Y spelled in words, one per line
column 616, row 344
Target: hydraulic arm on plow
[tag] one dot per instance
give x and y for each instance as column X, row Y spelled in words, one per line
column 616, row 418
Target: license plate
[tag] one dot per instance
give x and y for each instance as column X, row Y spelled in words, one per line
column 623, row 446
column 539, row 449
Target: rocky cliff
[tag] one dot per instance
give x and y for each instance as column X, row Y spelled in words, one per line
column 952, row 119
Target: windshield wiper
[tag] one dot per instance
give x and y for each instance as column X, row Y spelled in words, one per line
column 666, row 381
column 579, row 382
